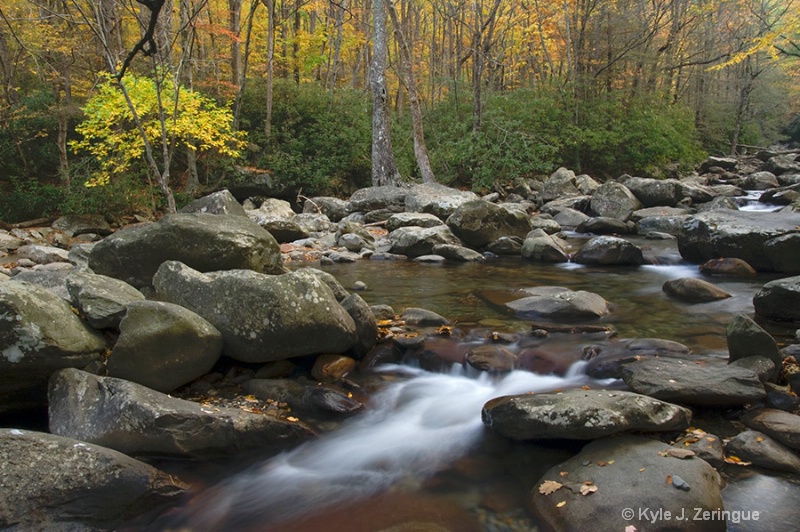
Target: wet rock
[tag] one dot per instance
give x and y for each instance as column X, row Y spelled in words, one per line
column 629, row 472
column 606, row 226
column 491, row 358
column 762, row 451
column 382, row 312
column 334, row 208
column 423, row 317
column 719, row 203
column 416, row 241
column 366, row 324
column 457, row 253
column 779, row 299
column 205, row 242
column 103, row 300
column 681, row 381
column 332, row 368
column 784, row 253
column 739, row 234
column 343, row 257
column 659, row 212
column 506, row 245
column 478, row 222
column 436, row 199
column 580, row 415
column 39, row 334
column 655, row 192
column 221, row 202
column 555, row 302
column 540, row 246
column 570, row 218
column 706, row 446
column 781, row 398
column 163, row 346
column 693, row 290
column 353, row 242
column 781, row 426
column 261, row 317
column 671, row 225
column 746, row 338
column 304, row 398
column 609, row 250
column 614, row 200
column 761, row 366
column 54, row 483
column 78, row 224
column 412, row 219
column 139, row 421
column 727, row 266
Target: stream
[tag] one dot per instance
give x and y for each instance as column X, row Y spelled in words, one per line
column 420, row 454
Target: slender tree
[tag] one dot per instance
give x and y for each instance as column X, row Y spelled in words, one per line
column 384, row 169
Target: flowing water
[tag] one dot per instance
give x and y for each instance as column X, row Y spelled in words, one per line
column 420, row 453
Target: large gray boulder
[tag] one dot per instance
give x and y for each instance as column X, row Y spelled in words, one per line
column 540, row 246
column 581, row 415
column 746, row 338
column 78, row 224
column 555, row 302
column 138, row 421
column 366, row 324
column 609, row 250
column 436, row 199
column 761, row 450
column 561, row 183
column 103, row 300
column 261, row 317
column 745, row 235
column 478, row 222
column 54, row 281
column 409, row 219
column 655, row 192
column 334, row 208
column 206, row 242
column 614, row 200
column 779, row 299
column 418, row 241
column 221, row 202
column 39, row 334
column 375, row 198
column 694, row 290
column 639, row 485
column 163, row 346
column 54, row 483
column 704, row 384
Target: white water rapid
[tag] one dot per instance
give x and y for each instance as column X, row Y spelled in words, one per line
column 412, row 428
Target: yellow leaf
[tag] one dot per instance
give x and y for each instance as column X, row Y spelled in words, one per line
column 292, row 419
column 561, row 504
column 250, row 398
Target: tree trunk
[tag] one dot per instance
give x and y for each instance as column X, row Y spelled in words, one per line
column 237, row 104
column 235, row 7
column 270, row 5
column 384, row 170
column 420, row 149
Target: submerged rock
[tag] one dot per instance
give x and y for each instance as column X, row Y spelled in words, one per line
column 693, row 290
column 555, row 302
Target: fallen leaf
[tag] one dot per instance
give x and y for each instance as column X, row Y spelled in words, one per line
column 669, row 479
column 584, row 387
column 678, row 453
column 564, row 473
column 561, row 504
column 631, row 528
column 549, row 486
column 602, row 463
column 250, row 398
column 642, row 470
column 586, row 490
column 759, row 439
column 736, row 460
column 611, row 462
column 292, row 418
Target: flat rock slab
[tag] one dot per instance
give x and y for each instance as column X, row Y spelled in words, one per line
column 634, row 478
column 762, row 451
column 703, row 383
column 54, row 483
column 581, row 415
column 555, row 302
column 781, row 426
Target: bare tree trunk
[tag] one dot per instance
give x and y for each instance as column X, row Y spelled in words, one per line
column 235, row 7
column 384, row 169
column 270, row 5
column 420, row 149
column 481, row 43
column 237, row 104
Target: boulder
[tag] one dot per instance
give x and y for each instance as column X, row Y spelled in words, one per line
column 682, row 381
column 763, row 180
column 779, row 299
column 43, row 254
column 366, row 324
column 581, row 415
column 725, row 163
column 436, row 199
column 783, row 252
column 557, row 303
column 39, row 334
column 614, row 200
column 693, row 290
column 505, row 245
column 313, row 223
column 740, row 234
column 423, row 317
column 606, row 362
column 332, row 368
column 163, row 346
column 781, row 164
column 334, row 208
column 570, row 218
column 457, row 253
column 79, row 224
column 304, row 398
column 284, row 230
column 101, row 299
column 55, row 281
column 562, row 183
column 261, row 317
column 639, row 486
column 762, row 451
column 253, row 182
column 409, row 219
column 206, row 242
column 138, row 421
column 374, row 198
column 491, row 358
column 655, row 212
column 478, row 222
column 417, row 241
column 604, row 226
column 54, row 483
column 546, row 224
column 220, row 202
column 9, row 242
column 539, row 246
column 655, row 192
column 746, row 339
column 727, row 266
column 781, row 426
column 609, row 250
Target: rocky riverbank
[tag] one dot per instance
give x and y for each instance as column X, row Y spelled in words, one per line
column 216, row 331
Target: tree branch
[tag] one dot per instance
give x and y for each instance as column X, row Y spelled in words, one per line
column 147, row 44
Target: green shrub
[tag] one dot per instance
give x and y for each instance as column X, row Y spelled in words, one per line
column 28, row 199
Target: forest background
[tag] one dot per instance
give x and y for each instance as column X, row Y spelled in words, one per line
column 122, row 106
